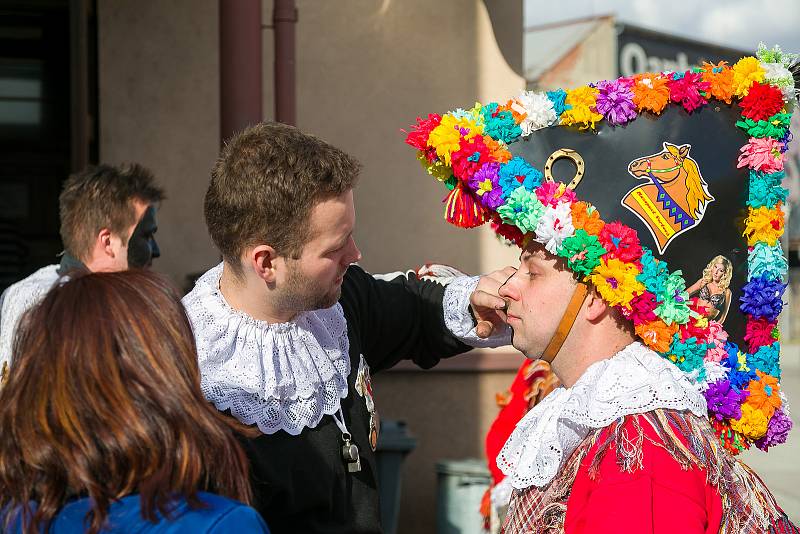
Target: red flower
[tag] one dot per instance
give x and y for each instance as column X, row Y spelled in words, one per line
column 470, row 157
column 418, row 136
column 621, row 242
column 642, row 308
column 689, row 90
column 758, row 333
column 762, row 102
column 508, row 231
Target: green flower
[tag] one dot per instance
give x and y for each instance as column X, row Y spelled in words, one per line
column 774, row 127
column 674, row 299
column 582, row 252
column 522, row 209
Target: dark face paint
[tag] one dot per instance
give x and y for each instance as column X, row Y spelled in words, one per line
column 142, row 246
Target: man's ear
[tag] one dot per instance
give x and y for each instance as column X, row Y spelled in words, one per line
column 263, row 259
column 104, row 243
column 596, row 307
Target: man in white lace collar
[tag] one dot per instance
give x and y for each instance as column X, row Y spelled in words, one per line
column 288, row 329
column 108, row 223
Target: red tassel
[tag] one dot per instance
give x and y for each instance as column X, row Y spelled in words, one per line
column 462, row 209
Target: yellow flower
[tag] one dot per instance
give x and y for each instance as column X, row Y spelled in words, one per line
column 752, row 424
column 446, row 137
column 437, row 169
column 746, row 71
column 764, row 224
column 583, row 111
column 616, row 281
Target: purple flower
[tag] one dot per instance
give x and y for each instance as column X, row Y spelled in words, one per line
column 724, row 401
column 761, row 297
column 486, row 184
column 615, row 102
column 777, row 431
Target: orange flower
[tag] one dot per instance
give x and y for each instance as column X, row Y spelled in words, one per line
column 657, row 334
column 518, row 117
column 498, row 150
column 720, row 83
column 650, row 92
column 764, row 394
column 582, row 219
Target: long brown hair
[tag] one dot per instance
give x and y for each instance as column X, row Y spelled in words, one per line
column 103, row 400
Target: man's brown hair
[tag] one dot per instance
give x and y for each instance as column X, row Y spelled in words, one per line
column 265, row 183
column 104, row 401
column 102, row 197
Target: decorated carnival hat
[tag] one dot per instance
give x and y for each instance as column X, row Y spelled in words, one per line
column 662, row 190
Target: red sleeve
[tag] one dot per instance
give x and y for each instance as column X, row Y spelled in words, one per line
column 660, row 498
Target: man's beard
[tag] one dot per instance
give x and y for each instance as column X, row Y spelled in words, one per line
column 304, row 294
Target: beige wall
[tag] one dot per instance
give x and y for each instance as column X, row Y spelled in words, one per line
column 365, row 69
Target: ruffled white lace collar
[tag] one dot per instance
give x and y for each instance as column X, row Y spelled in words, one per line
column 277, row 376
column 635, row 380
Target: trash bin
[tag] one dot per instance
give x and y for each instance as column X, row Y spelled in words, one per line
column 394, row 444
column 460, row 488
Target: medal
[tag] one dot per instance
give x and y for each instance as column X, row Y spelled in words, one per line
column 350, row 454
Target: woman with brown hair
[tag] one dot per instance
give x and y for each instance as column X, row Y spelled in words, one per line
column 104, row 426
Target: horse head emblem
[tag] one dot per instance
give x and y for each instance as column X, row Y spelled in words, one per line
column 674, row 198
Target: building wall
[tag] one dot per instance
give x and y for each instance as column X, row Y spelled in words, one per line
column 365, row 70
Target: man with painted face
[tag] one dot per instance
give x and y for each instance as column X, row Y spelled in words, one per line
column 108, row 223
column 288, row 330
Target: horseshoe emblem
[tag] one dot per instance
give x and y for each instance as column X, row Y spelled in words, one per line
column 571, row 155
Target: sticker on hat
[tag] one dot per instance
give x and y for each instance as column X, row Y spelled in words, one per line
column 674, row 199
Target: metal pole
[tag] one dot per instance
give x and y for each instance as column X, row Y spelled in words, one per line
column 284, row 17
column 240, row 65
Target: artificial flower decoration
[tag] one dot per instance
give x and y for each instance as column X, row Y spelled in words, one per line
column 470, row 151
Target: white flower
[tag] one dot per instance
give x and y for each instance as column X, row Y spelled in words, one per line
column 714, row 371
column 554, row 226
column 538, row 109
column 777, row 74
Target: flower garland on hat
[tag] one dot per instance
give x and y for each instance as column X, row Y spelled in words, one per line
column 467, row 149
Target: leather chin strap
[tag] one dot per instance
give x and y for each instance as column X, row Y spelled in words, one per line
column 567, row 320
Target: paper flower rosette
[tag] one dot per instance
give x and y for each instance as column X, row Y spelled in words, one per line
column 493, row 160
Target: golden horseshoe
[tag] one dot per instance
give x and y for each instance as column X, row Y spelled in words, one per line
column 571, row 155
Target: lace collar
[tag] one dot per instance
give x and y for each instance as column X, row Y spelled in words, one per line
column 635, row 380
column 278, row 376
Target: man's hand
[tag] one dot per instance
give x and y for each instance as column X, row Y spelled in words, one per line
column 487, row 306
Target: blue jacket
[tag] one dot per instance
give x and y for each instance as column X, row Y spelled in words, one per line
column 221, row 515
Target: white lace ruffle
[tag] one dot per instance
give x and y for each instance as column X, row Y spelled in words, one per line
column 458, row 319
column 277, row 376
column 17, row 299
column 635, row 380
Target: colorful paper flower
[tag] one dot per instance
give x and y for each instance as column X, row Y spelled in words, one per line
column 554, row 226
column 775, row 126
column 486, row 185
column 689, row 90
column 538, row 109
column 763, row 225
column 586, row 217
column 761, row 102
column 720, row 80
column 507, row 232
column 471, row 156
column 621, row 242
column 746, row 71
column 768, row 261
column 650, row 92
column 582, row 252
column 615, row 102
column 724, row 401
column 752, row 424
column 446, row 137
column 559, row 100
column 654, row 273
column 764, row 154
column 765, row 189
column 418, row 136
column 554, row 193
column 518, row 172
column 643, row 308
column 521, row 209
column 778, row 430
column 657, row 334
column 759, row 332
column 500, row 125
column 762, row 297
column 582, row 112
column 688, row 355
column 763, row 394
column 765, row 359
column 674, row 300
column 616, row 281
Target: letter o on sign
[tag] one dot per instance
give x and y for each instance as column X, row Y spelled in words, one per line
column 632, row 59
